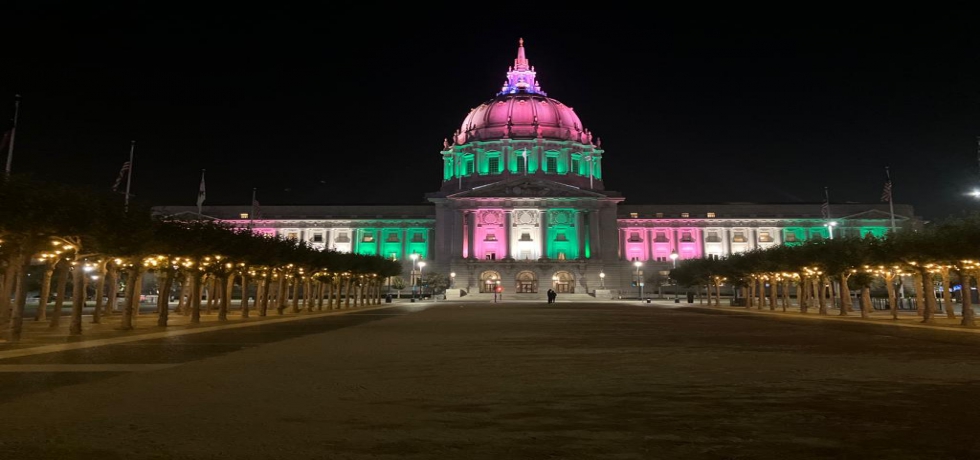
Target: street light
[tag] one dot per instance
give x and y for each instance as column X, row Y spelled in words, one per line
column 673, row 258
column 452, row 279
column 639, row 285
column 602, row 279
column 830, row 228
column 414, row 258
column 421, row 285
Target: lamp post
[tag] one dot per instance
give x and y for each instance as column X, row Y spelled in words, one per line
column 414, row 257
column 421, row 285
column 830, row 228
column 496, row 291
column 673, row 257
column 452, row 280
column 639, row 285
column 602, row 279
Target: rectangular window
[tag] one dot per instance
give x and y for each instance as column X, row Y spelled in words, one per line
column 243, row 215
column 561, row 237
column 317, row 238
column 711, row 215
column 575, row 165
column 525, row 237
column 494, row 164
column 685, row 214
column 367, row 238
column 469, row 167
column 660, row 215
column 342, row 238
column 686, row 237
column 816, row 236
column 635, row 237
column 520, row 164
column 765, row 237
column 490, row 237
column 418, row 238
column 292, row 235
column 661, row 237
column 634, row 215
column 791, row 237
column 551, row 165
column 738, row 237
column 392, row 238
column 712, row 238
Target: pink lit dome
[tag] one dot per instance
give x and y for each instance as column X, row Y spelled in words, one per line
column 522, row 110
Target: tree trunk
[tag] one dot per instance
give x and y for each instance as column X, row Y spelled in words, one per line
column 225, row 284
column 947, row 295
column 99, row 292
column 845, row 295
column 183, row 304
column 750, row 295
column 347, row 286
column 966, row 290
column 195, row 279
column 245, row 295
column 785, row 302
column 166, row 279
column 20, row 297
column 42, row 301
column 892, row 299
column 112, row 284
column 281, row 294
column 865, row 301
column 920, row 299
column 926, row 287
column 822, row 283
column 61, row 281
column 297, row 283
column 78, row 292
column 7, row 288
column 264, row 304
column 130, row 297
column 212, row 292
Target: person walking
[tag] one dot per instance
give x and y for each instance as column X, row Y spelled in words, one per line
column 551, row 296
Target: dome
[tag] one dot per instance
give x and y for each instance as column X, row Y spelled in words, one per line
column 522, row 110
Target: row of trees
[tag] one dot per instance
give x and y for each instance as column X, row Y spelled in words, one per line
column 825, row 272
column 85, row 236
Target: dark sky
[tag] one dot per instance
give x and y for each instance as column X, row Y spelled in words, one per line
column 688, row 109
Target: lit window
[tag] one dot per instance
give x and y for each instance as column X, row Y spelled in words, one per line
column 368, row 238
column 561, row 237
column 765, row 237
column 685, row 214
column 661, row 237
column 686, row 237
column 292, row 235
column 418, row 238
column 660, row 215
column 712, row 237
column 494, row 164
column 635, row 236
column 243, row 215
column 738, row 237
column 711, row 215
column 551, row 164
column 791, row 237
column 342, row 238
column 490, row 237
column 392, row 238
column 634, row 215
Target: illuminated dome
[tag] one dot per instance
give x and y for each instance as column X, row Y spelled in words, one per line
column 522, row 110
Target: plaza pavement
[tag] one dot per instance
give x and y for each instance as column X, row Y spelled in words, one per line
column 520, row 380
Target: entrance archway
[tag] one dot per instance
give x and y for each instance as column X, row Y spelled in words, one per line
column 489, row 280
column 564, row 282
column 527, row 282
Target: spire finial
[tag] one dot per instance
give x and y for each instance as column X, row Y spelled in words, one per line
column 520, row 77
column 520, row 41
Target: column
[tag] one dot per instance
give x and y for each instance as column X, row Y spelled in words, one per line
column 404, row 243
column 649, row 245
column 593, row 218
column 580, row 231
column 675, row 243
column 508, row 234
column 543, row 223
column 726, row 241
column 327, row 241
column 430, row 247
column 471, row 234
column 377, row 243
column 623, row 255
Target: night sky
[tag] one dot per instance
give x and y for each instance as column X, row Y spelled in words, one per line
column 688, row 110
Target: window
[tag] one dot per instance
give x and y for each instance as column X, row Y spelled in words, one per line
column 469, row 167
column 816, row 236
column 525, row 237
column 661, row 237
column 520, row 164
column 791, row 237
column 392, row 238
column 560, row 237
column 525, row 255
column 711, row 215
column 635, row 237
column 686, row 237
column 494, row 164
column 575, row 166
column 712, row 237
column 765, row 237
column 551, row 164
column 417, row 237
column 660, row 215
column 243, row 215
column 342, row 238
column 317, row 238
column 738, row 237
column 490, row 256
column 367, row 238
column 685, row 214
column 490, row 237
column 561, row 255
column 634, row 215
column 292, row 235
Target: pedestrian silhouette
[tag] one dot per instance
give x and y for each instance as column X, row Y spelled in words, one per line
column 552, row 295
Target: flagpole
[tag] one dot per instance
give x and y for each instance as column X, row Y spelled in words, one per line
column 13, row 134
column 891, row 203
column 129, row 174
column 251, row 215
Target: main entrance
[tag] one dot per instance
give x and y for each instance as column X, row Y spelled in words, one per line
column 564, row 282
column 527, row 282
column 489, row 280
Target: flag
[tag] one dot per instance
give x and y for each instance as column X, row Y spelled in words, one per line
column 122, row 173
column 886, row 192
column 200, row 192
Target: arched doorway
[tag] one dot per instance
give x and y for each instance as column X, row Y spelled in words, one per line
column 489, row 280
column 564, row 282
column 527, row 282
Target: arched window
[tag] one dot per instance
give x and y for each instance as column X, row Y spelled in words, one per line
column 489, row 280
column 563, row 282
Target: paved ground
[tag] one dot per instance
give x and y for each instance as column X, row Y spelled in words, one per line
column 506, row 381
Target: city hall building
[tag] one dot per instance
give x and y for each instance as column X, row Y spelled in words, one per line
column 523, row 207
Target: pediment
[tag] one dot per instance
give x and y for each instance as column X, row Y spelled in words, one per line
column 527, row 188
column 873, row 214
